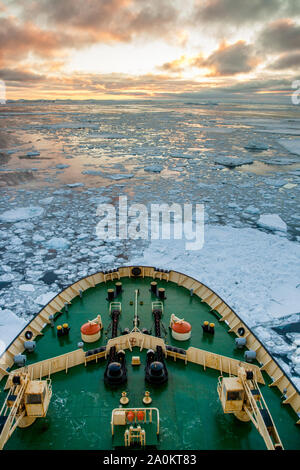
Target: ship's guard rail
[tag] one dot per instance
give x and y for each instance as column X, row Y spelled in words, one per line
column 221, row 363
column 135, row 338
column 204, row 358
column 216, row 303
column 49, row 366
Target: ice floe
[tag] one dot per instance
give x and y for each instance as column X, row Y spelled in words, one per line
column 21, row 213
column 272, row 222
column 62, row 166
column 233, row 162
column 75, row 185
column 254, row 272
column 258, row 146
column 57, row 243
column 292, row 145
column 27, row 287
column 154, row 168
column 33, row 153
column 44, row 299
column 10, row 326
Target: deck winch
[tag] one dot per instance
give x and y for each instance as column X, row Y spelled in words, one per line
column 156, row 370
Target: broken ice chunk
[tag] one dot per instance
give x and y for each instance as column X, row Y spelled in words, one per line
column 272, row 222
column 258, row 146
column 21, row 213
column 154, row 168
column 34, row 153
column 44, row 299
column 27, row 288
column 75, row 185
column 61, row 166
column 47, row 200
column 292, row 145
column 58, row 243
column 233, row 162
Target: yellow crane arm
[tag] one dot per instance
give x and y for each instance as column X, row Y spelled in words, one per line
column 10, row 417
column 260, row 416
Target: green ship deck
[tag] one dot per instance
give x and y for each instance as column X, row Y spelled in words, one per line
column 191, row 415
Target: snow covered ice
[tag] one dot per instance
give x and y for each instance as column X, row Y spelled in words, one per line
column 244, row 167
column 21, row 213
column 272, row 222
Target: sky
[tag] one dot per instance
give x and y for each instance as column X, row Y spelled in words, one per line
column 149, row 49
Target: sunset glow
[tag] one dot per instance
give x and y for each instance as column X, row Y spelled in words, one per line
column 129, row 49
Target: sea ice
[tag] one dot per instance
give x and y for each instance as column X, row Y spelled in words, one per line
column 282, row 161
column 44, row 299
column 236, row 263
column 58, row 243
column 10, row 326
column 120, row 176
column 24, row 225
column 108, row 259
column 7, row 277
column 62, row 166
column 154, row 168
column 33, row 154
column 27, row 288
column 252, row 145
column 252, row 210
column 272, row 222
column 38, row 238
column 72, row 125
column 21, row 213
column 75, row 185
column 292, row 145
column 177, row 154
column 107, row 135
column 233, row 162
column 47, row 200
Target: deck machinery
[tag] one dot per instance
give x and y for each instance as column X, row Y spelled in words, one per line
column 241, row 396
column 26, row 401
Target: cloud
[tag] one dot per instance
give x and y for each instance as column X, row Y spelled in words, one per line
column 19, row 75
column 280, row 36
column 17, row 40
column 229, row 59
column 60, row 26
column 176, row 65
column 107, row 20
column 236, row 13
column 287, row 61
column 154, row 86
column 233, row 12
